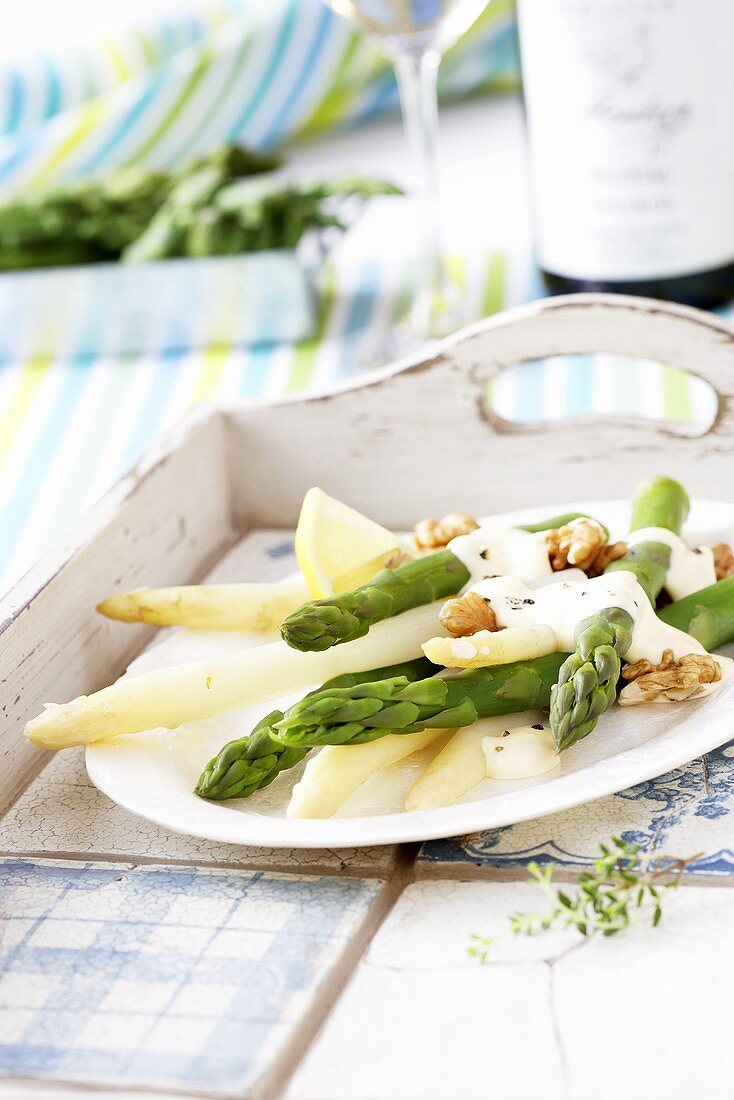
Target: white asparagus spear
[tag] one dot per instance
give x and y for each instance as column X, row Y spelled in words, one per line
column 257, row 607
column 486, row 647
column 169, row 697
column 337, row 771
column 461, row 764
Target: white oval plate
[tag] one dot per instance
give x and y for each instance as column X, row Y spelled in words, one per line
column 153, row 774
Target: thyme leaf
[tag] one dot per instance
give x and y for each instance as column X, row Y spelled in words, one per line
column 623, row 887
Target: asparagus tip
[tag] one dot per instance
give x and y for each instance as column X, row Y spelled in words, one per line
column 125, row 607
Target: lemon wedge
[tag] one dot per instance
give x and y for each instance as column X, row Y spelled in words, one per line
column 337, row 548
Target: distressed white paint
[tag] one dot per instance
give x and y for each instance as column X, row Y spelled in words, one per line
column 167, row 521
column 414, row 439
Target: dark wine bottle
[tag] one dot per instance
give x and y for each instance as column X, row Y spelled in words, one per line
column 631, row 142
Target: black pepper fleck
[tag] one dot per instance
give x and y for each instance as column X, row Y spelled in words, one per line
column 537, row 726
column 498, row 748
column 516, row 602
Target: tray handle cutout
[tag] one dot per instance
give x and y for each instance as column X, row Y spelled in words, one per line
column 554, row 390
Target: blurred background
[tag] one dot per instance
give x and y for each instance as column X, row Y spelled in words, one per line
column 207, row 200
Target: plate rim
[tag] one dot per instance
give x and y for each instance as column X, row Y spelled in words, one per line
column 415, row 826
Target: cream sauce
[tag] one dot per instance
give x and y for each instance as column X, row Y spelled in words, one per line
column 498, row 551
column 562, row 577
column 563, row 606
column 519, row 752
column 690, row 568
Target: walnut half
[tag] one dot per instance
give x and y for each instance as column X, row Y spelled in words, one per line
column 723, row 560
column 431, row 534
column 466, row 615
column 671, row 679
column 582, row 544
column 611, row 551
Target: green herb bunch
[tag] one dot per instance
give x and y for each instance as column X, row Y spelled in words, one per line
column 623, row 887
column 211, row 207
column 207, row 216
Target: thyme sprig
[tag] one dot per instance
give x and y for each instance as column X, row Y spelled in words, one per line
column 622, row 888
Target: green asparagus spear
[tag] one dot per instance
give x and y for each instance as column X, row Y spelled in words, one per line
column 649, row 561
column 560, row 521
column 330, row 718
column 92, row 220
column 206, row 215
column 320, row 624
column 234, row 162
column 249, row 763
column 660, row 502
column 587, row 681
column 707, row 614
column 81, row 221
column 47, row 255
column 657, row 502
column 585, row 688
column 340, row 716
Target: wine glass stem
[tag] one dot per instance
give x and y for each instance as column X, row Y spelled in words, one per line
column 417, row 74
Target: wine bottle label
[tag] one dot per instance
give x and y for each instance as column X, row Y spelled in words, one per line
column 630, row 107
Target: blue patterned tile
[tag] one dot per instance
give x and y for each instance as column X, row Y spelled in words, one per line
column 162, row 976
column 708, row 824
column 682, row 812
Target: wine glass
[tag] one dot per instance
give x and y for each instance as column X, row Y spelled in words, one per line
column 414, row 34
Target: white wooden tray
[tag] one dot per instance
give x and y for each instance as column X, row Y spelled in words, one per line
column 412, row 440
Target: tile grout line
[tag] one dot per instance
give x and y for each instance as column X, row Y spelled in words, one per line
column 275, row 1082
column 314, row 869
column 460, row 873
column 423, row 872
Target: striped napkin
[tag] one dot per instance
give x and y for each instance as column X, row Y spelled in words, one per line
column 207, row 73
